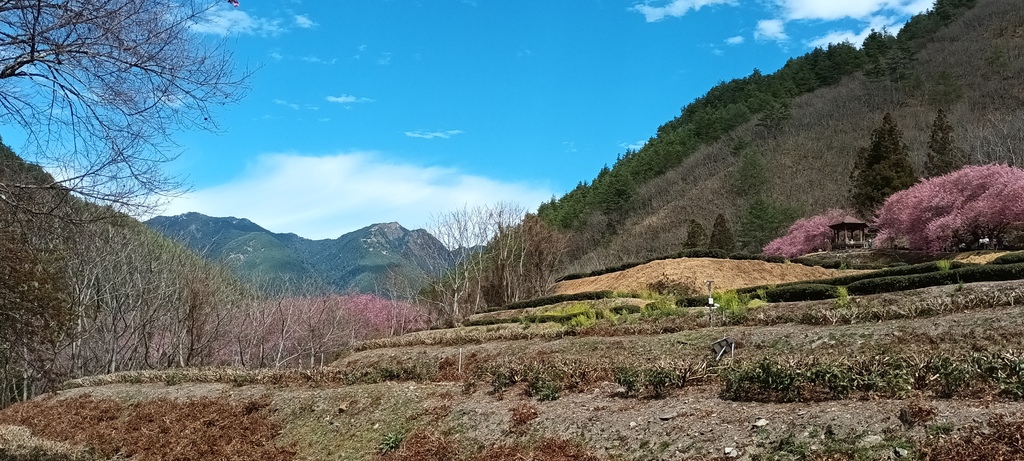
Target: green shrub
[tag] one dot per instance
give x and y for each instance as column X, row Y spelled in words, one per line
column 702, row 253
column 966, row 274
column 801, row 292
column 390, row 442
column 543, row 387
column 845, row 280
column 692, row 301
column 629, row 378
column 1010, row 258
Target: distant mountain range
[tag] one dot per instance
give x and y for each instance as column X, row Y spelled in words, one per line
column 357, row 261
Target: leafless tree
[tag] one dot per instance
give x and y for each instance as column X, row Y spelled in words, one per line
column 100, row 85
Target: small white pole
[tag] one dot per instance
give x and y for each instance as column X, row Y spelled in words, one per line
column 460, row 360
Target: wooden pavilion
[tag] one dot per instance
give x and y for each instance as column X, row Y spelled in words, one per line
column 849, row 232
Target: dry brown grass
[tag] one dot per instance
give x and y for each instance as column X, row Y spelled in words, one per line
column 1001, row 439
column 158, row 429
column 18, row 443
column 522, row 415
column 431, row 445
column 728, row 274
column 548, row 449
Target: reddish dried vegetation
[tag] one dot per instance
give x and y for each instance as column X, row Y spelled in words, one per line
column 428, row 445
column 549, row 449
column 1001, row 440
column 160, row 429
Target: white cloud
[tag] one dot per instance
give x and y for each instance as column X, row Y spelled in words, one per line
column 856, row 9
column 857, row 38
column 304, row 22
column 385, row 59
column 735, row 40
column 224, row 21
column 770, row 29
column 675, row 8
column 277, row 56
column 317, row 60
column 325, row 197
column 633, row 146
column 347, row 99
column 282, row 102
column 425, row 134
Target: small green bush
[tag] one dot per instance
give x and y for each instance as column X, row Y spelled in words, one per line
column 801, row 292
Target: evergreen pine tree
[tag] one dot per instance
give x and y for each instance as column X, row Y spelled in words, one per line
column 696, row 236
column 941, row 154
column 881, row 169
column 762, row 221
column 721, row 235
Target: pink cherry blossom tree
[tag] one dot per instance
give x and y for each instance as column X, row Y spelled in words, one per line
column 805, row 235
column 962, row 207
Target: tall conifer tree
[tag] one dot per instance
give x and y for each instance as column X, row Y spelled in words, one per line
column 881, row 169
column 941, row 151
column 721, row 235
column 696, row 236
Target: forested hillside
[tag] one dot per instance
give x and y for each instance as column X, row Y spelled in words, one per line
column 361, row 260
column 759, row 152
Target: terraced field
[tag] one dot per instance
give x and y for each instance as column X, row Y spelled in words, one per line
column 933, row 373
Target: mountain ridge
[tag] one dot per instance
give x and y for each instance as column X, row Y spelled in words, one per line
column 360, row 260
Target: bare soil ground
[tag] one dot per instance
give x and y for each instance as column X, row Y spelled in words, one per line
column 728, row 274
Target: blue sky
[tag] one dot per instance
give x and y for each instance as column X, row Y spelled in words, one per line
column 365, row 111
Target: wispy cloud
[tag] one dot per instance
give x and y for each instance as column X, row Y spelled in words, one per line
column 857, row 38
column 385, row 59
column 282, row 102
column 318, row 60
column 426, row 134
column 856, row 9
column 276, row 56
column 737, row 40
column 304, row 22
column 327, row 196
column 224, row 21
column 347, row 99
column 675, row 8
column 633, row 146
column 770, row 29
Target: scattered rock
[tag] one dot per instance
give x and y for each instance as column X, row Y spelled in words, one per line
column 761, row 422
column 668, row 416
column 632, row 424
column 870, row 440
column 731, row 452
column 900, row 452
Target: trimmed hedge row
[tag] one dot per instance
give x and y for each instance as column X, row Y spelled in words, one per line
column 559, row 317
column 555, row 299
column 971, row 274
column 844, row 280
column 1009, row 258
column 801, row 292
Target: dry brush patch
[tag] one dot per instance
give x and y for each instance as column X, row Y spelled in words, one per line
column 17, row 443
column 431, row 445
column 158, row 429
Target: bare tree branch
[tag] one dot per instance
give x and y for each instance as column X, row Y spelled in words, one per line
column 99, row 86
